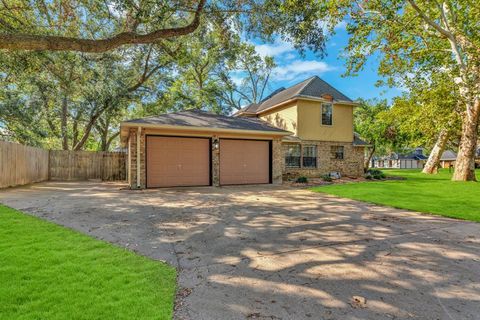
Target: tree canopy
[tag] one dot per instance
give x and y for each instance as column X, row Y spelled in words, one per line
column 77, row 100
column 100, row 26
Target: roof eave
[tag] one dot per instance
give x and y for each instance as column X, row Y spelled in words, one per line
column 361, row 145
column 308, row 98
column 125, row 125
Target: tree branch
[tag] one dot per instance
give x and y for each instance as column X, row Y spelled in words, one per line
column 432, row 23
column 58, row 43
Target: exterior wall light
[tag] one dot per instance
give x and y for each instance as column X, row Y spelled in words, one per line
column 215, row 144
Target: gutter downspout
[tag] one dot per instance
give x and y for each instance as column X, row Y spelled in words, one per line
column 139, row 132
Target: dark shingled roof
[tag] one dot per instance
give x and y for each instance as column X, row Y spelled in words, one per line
column 312, row 87
column 202, row 119
column 359, row 142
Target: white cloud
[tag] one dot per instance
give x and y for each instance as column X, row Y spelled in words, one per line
column 290, row 56
column 236, row 79
column 341, row 25
column 275, row 49
column 298, row 69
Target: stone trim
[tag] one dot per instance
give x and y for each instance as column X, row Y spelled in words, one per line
column 277, row 161
column 133, row 159
column 215, row 161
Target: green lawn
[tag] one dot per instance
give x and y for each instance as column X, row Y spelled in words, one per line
column 426, row 193
column 50, row 272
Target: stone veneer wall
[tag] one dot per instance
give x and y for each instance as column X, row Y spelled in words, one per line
column 351, row 165
column 133, row 166
column 215, row 162
column 277, row 161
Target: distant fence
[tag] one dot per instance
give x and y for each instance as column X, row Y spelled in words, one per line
column 85, row 165
column 21, row 165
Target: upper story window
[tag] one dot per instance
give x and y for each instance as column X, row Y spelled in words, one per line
column 327, row 111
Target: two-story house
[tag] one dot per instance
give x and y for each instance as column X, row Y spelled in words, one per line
column 321, row 120
column 306, row 129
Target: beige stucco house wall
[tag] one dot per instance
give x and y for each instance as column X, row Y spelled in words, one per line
column 285, row 117
column 310, row 127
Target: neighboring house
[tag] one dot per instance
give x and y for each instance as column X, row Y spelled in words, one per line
column 448, row 158
column 411, row 160
column 306, row 130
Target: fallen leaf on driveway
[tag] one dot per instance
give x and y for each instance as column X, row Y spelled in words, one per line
column 358, row 302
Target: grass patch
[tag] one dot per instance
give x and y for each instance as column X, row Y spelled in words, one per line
column 51, row 272
column 435, row 194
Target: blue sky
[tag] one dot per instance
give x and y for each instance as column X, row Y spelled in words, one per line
column 293, row 68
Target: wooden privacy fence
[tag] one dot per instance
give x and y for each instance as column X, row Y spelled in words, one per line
column 85, row 165
column 21, row 164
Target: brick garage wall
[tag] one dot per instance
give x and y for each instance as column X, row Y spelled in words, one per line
column 351, row 165
column 133, row 161
column 215, row 162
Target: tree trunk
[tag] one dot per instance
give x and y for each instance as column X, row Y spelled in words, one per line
column 64, row 123
column 431, row 167
column 367, row 162
column 109, row 141
column 465, row 163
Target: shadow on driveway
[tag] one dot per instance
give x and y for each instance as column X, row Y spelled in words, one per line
column 266, row 252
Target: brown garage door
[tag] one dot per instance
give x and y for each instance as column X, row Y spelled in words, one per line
column 177, row 161
column 244, row 161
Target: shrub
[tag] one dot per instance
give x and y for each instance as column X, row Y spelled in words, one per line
column 379, row 176
column 301, row 179
column 326, row 177
column 375, row 174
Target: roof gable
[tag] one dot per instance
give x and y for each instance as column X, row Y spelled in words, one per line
column 313, row 87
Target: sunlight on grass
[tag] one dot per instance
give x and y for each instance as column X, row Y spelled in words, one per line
column 50, row 272
column 435, row 194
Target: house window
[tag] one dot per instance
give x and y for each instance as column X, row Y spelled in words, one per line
column 309, row 157
column 292, row 156
column 337, row 152
column 327, row 110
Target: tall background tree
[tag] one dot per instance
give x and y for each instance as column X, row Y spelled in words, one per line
column 59, row 100
column 418, row 37
column 78, row 100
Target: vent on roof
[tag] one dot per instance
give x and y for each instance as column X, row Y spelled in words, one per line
column 272, row 94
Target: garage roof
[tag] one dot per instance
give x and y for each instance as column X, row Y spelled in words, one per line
column 208, row 120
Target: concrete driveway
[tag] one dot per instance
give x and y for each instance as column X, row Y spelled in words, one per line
column 265, row 252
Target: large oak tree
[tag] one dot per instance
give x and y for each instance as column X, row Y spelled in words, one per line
column 100, row 26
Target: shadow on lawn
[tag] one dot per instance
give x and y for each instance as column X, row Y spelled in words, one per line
column 272, row 253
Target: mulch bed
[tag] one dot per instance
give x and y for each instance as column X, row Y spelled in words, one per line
column 313, row 182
